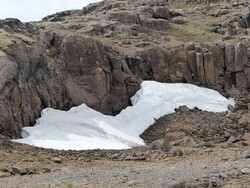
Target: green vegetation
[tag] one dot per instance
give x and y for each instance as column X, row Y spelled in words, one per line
column 68, row 184
column 233, row 184
column 2, row 54
column 23, row 38
column 3, row 169
column 5, row 40
column 53, row 52
column 191, row 32
column 20, row 155
column 36, row 169
column 179, row 7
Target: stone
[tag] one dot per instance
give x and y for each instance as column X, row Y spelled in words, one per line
column 245, row 119
column 123, row 17
column 241, row 21
column 4, row 174
column 247, row 74
column 246, row 154
column 173, row 185
column 209, row 69
column 246, row 18
column 56, row 160
column 44, row 67
column 186, row 142
column 161, row 12
column 233, row 139
column 231, row 108
column 176, row 152
column 200, row 68
column 163, row 144
column 230, row 57
column 182, row 109
column 241, row 80
column 241, row 58
column 231, row 115
column 191, row 58
column 19, row 170
column 179, row 20
column 245, row 170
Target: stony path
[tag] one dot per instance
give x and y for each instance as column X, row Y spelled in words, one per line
column 133, row 174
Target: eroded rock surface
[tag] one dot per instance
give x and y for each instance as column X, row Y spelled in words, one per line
column 99, row 55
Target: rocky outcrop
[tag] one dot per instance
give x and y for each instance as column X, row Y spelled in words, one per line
column 85, row 59
column 75, row 70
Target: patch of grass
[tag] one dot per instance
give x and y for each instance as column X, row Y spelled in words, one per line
column 211, row 20
column 3, row 169
column 68, row 184
column 191, row 32
column 23, row 38
column 20, row 155
column 5, row 40
column 2, row 54
column 36, row 169
column 233, row 41
column 233, row 184
column 53, row 52
column 181, row 6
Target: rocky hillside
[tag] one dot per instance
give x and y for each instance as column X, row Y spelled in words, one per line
column 99, row 55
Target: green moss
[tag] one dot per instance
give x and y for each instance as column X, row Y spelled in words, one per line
column 191, row 32
column 3, row 169
column 36, row 169
column 2, row 54
column 23, row 38
column 68, row 184
column 53, row 52
column 181, row 6
column 5, row 40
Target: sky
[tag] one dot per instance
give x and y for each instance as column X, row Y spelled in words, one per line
column 35, row 10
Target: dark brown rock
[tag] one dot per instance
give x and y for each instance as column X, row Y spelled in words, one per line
column 209, row 69
column 163, row 144
column 19, row 170
column 200, row 68
column 241, row 58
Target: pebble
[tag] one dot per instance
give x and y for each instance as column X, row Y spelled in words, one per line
column 57, row 160
column 19, row 170
column 246, row 154
column 173, row 185
column 4, row 174
column 245, row 170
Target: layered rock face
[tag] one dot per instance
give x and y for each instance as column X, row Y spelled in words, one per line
column 60, row 65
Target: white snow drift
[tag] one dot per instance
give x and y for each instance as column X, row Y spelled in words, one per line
column 83, row 128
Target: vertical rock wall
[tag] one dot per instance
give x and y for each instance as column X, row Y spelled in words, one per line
column 75, row 70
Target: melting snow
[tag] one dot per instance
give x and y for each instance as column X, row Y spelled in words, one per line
column 83, row 128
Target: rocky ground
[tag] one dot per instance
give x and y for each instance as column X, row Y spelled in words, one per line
column 99, row 55
column 189, row 148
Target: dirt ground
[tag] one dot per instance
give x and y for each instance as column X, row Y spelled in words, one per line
column 209, row 158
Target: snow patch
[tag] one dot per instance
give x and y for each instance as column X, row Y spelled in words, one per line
column 83, row 128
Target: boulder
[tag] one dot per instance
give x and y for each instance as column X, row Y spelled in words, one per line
column 179, row 20
column 127, row 17
column 246, row 18
column 161, row 12
column 19, row 170
column 246, row 154
column 209, row 69
column 163, row 144
column 230, row 57
column 200, row 68
column 245, row 119
column 241, row 58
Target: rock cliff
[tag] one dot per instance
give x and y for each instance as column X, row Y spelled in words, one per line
column 99, row 55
